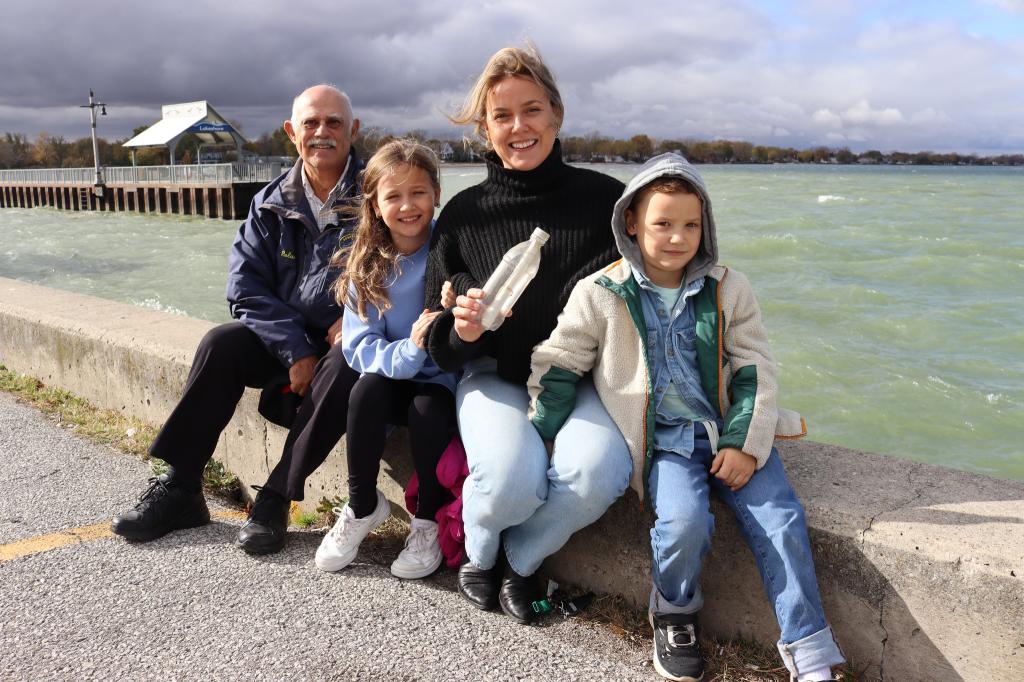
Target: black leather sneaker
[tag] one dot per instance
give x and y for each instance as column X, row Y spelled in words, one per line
column 478, row 586
column 163, row 507
column 677, row 653
column 516, row 596
column 265, row 530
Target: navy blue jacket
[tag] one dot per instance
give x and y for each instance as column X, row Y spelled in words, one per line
column 278, row 276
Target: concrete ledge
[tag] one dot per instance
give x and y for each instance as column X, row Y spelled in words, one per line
column 921, row 568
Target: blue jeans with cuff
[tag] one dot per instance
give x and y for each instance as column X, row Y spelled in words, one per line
column 515, row 492
column 772, row 522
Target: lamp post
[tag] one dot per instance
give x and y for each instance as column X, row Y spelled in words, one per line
column 92, row 106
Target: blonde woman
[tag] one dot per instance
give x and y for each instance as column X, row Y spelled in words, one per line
column 519, row 502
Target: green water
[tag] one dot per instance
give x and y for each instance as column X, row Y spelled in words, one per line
column 892, row 295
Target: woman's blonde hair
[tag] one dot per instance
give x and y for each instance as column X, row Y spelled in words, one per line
column 508, row 61
column 370, row 260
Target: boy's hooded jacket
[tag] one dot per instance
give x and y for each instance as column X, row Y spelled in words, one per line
column 602, row 330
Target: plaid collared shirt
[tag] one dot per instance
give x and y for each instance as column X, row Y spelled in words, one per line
column 324, row 211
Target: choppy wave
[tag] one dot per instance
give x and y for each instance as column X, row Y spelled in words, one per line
column 154, row 304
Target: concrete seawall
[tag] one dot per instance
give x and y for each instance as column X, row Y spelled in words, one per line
column 921, row 568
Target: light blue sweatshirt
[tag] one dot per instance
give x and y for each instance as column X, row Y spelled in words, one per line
column 381, row 345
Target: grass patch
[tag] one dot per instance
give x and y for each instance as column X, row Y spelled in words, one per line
column 108, row 427
column 326, row 507
column 302, row 519
column 221, row 482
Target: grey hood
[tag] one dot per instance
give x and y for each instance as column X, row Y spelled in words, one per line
column 662, row 166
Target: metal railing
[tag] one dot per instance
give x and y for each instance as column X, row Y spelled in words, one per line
column 192, row 174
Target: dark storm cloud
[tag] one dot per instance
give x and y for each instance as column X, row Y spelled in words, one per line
column 249, row 63
column 703, row 68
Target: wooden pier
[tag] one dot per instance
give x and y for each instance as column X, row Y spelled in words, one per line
column 222, row 190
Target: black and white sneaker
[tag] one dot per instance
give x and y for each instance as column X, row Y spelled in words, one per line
column 677, row 646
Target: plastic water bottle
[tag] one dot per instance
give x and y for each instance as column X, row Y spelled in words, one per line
column 508, row 281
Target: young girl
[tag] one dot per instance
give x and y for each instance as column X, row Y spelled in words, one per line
column 383, row 339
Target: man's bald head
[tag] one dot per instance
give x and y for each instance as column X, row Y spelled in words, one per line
column 322, row 128
column 318, row 91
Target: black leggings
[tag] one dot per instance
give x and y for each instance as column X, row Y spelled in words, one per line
column 429, row 412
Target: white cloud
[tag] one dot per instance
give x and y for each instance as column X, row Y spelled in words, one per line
column 827, row 118
column 862, row 113
column 1012, row 6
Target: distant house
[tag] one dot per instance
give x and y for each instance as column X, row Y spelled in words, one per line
column 867, row 161
column 446, row 153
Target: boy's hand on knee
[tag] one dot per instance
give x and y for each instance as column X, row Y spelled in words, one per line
column 733, row 467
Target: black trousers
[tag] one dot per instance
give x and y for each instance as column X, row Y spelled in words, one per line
column 428, row 410
column 229, row 358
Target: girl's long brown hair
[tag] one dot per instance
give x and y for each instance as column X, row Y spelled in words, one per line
column 370, row 260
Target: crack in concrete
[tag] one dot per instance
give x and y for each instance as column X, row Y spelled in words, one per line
column 918, row 494
column 33, row 477
column 266, row 448
column 885, row 639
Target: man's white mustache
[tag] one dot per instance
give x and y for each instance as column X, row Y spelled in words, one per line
column 322, row 141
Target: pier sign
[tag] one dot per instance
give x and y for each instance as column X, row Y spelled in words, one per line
column 207, row 127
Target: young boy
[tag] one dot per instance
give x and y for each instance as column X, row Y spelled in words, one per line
column 682, row 363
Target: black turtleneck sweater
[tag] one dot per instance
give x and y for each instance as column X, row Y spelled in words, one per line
column 481, row 223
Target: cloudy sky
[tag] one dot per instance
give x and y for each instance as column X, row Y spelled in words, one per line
column 908, row 75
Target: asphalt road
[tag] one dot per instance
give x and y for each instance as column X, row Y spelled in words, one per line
column 83, row 605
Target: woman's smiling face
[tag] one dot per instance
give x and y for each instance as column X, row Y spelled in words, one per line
column 521, row 123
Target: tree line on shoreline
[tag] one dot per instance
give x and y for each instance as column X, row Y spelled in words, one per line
column 54, row 151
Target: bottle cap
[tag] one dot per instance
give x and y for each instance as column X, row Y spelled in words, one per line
column 540, row 235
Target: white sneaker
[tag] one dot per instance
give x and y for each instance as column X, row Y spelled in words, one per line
column 422, row 553
column 341, row 544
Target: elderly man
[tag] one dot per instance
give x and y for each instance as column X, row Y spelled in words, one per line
column 287, row 332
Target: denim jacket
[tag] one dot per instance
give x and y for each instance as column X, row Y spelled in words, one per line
column 672, row 350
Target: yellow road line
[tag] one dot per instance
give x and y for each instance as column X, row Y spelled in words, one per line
column 73, row 536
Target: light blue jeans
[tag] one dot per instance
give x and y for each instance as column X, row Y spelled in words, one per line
column 514, row 490
column 771, row 519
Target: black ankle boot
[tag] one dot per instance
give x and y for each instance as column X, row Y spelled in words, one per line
column 265, row 530
column 516, row 596
column 479, row 586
